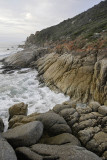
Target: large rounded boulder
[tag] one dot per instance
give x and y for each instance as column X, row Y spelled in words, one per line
column 24, row 135
column 6, row 151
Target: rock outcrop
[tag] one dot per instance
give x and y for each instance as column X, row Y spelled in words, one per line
column 81, row 75
column 23, row 58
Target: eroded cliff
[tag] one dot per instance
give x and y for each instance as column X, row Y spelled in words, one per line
column 81, row 75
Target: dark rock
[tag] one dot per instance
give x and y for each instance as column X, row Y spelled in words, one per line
column 23, row 58
column 24, row 135
column 53, row 123
column 18, row 109
column 1, row 125
column 64, row 152
column 105, row 155
column 6, row 151
column 25, row 153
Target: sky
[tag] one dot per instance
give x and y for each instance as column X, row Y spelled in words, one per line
column 20, row 18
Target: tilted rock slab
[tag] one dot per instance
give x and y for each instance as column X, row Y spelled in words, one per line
column 81, row 75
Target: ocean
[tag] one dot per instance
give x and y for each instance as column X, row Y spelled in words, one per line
column 24, row 87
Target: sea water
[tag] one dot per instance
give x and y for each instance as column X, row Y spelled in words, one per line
column 20, row 86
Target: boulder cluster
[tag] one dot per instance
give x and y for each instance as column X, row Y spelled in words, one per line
column 71, row 131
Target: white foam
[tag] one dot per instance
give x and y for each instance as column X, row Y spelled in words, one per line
column 15, row 88
column 24, row 87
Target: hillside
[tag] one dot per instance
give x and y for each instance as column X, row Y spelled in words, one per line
column 88, row 26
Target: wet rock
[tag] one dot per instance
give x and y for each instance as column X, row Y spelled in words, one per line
column 53, row 123
column 6, row 151
column 103, row 110
column 60, row 139
column 18, row 109
column 1, row 125
column 24, row 135
column 24, row 71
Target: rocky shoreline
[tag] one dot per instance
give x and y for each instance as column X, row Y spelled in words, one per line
column 61, row 133
column 81, row 75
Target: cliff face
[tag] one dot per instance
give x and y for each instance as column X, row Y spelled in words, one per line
column 77, row 63
column 82, row 76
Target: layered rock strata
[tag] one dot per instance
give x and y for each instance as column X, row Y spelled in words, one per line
column 81, row 75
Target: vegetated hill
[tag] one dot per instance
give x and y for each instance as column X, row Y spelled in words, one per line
column 88, row 26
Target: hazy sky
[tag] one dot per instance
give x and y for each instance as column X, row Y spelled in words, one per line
column 20, row 18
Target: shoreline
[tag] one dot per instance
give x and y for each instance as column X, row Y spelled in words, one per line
column 87, row 124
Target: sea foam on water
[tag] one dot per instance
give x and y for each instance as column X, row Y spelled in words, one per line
column 24, row 87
